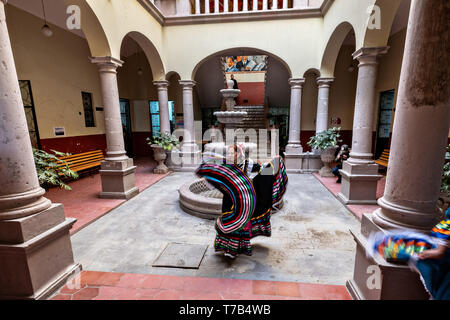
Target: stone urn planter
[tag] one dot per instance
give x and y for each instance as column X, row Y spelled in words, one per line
column 327, row 156
column 160, row 156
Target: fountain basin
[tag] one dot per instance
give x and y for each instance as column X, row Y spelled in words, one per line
column 230, row 116
column 200, row 199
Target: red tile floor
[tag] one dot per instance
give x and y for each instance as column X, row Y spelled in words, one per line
column 84, row 204
column 94, row 285
column 357, row 210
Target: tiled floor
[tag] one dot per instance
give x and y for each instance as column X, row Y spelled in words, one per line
column 357, row 210
column 83, row 202
column 120, row 286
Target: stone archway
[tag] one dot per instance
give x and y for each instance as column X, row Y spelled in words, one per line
column 380, row 19
column 152, row 54
column 92, row 28
column 333, row 47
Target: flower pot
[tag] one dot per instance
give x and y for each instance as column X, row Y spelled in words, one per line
column 327, row 156
column 160, row 155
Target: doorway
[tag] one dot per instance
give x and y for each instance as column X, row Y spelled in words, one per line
column 384, row 121
column 30, row 113
column 126, row 126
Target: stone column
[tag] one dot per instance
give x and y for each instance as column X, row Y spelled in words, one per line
column 163, row 102
column 183, row 7
column 416, row 159
column 189, row 150
column 197, row 6
column 245, row 5
column 360, row 173
column 117, row 171
column 421, row 124
column 322, row 103
column 35, row 250
column 294, row 148
column 216, row 6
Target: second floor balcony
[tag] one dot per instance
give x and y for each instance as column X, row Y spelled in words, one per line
column 175, row 11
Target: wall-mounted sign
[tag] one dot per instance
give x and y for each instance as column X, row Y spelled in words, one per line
column 60, row 131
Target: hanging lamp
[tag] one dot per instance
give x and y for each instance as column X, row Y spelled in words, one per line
column 46, row 31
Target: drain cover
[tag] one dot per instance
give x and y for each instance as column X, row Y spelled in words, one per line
column 181, row 255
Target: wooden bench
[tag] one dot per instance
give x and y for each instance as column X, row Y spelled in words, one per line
column 384, row 158
column 83, row 161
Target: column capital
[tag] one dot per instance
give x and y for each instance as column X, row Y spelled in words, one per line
column 296, row 83
column 107, row 64
column 369, row 55
column 4, row 1
column 161, row 84
column 186, row 84
column 325, row 82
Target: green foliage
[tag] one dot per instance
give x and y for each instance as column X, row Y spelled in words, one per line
column 51, row 170
column 166, row 140
column 325, row 139
column 445, row 185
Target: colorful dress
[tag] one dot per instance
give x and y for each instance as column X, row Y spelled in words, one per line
column 404, row 247
column 247, row 203
column 435, row 273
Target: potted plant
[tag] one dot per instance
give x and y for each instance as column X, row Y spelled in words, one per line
column 445, row 183
column 51, row 171
column 326, row 141
column 160, row 144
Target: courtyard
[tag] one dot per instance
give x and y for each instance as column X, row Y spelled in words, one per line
column 108, row 108
column 310, row 254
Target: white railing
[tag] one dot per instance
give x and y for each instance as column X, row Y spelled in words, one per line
column 221, row 6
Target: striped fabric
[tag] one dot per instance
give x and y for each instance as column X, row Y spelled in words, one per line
column 442, row 229
column 280, row 184
column 233, row 181
column 260, row 225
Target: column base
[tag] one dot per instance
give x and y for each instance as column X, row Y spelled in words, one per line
column 325, row 171
column 190, row 160
column 118, row 179
column 302, row 162
column 294, row 149
column 36, row 268
column 359, row 183
column 376, row 279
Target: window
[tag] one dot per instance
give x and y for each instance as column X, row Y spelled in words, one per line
column 28, row 104
column 154, row 117
column 208, row 118
column 88, row 109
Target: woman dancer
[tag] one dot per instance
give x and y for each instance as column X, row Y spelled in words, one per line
column 247, row 203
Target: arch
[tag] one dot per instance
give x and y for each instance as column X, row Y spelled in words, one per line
column 242, row 51
column 333, row 47
column 312, row 70
column 380, row 17
column 152, row 54
column 97, row 40
column 170, row 74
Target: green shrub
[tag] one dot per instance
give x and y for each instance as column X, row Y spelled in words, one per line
column 445, row 185
column 51, row 170
column 325, row 139
column 166, row 140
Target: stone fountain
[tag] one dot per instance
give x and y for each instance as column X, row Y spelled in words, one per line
column 231, row 120
column 198, row 197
